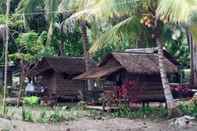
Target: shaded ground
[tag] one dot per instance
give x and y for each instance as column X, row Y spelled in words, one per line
column 85, row 124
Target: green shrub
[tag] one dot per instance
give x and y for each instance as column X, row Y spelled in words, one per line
column 32, row 101
column 51, row 116
column 27, row 116
column 56, row 117
column 188, row 109
column 145, row 112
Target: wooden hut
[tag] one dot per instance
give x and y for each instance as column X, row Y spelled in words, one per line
column 56, row 74
column 139, row 65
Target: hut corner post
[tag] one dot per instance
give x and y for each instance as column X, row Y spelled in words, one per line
column 6, row 56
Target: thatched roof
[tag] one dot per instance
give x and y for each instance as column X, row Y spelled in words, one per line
column 98, row 72
column 151, row 51
column 136, row 63
column 69, row 65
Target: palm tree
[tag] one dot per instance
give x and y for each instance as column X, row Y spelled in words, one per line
column 72, row 21
column 167, row 92
column 83, row 27
column 182, row 13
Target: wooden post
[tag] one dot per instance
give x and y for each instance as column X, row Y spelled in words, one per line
column 193, row 61
column 6, row 57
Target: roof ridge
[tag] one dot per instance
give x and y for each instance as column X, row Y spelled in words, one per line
column 66, row 57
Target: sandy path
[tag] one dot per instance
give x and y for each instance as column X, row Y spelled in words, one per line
column 91, row 125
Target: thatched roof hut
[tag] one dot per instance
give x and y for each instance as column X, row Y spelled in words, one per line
column 140, row 66
column 57, row 73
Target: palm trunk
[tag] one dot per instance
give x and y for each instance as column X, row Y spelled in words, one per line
column 61, row 47
column 193, row 60
column 85, row 48
column 189, row 41
column 6, row 57
column 194, row 66
column 22, row 79
column 49, row 35
column 166, row 87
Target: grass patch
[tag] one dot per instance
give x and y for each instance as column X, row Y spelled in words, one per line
column 145, row 112
column 43, row 114
column 189, row 108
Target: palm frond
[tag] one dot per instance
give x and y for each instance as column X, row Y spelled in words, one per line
column 51, row 7
column 28, row 6
column 176, row 10
column 90, row 10
column 127, row 28
column 74, row 5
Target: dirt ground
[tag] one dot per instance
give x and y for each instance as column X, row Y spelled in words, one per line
column 85, row 124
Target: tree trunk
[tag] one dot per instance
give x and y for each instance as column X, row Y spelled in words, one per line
column 6, row 56
column 190, row 45
column 22, row 79
column 83, row 26
column 49, row 34
column 166, row 87
column 193, row 60
column 61, row 47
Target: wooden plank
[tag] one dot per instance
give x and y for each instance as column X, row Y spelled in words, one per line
column 101, row 108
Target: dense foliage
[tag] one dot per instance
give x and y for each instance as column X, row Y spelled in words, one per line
column 134, row 34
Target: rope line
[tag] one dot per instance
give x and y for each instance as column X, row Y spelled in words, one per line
column 35, row 13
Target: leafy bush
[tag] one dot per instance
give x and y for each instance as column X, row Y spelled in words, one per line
column 27, row 115
column 57, row 115
column 189, row 108
column 32, row 101
column 128, row 91
column 145, row 112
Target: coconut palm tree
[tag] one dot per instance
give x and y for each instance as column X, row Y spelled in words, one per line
column 72, row 21
column 184, row 13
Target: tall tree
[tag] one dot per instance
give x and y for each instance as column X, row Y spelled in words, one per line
column 72, row 21
column 29, row 49
column 183, row 13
